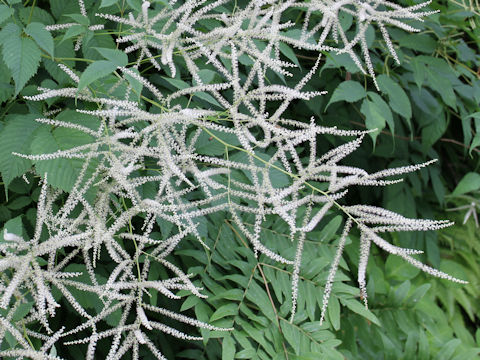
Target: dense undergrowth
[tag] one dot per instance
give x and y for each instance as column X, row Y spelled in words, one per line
column 175, row 176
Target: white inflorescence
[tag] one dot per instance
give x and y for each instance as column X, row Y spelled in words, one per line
column 189, row 184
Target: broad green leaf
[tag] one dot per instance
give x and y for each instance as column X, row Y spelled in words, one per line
column 13, row 226
column 115, row 56
column 41, row 36
column 470, row 182
column 19, row 202
column 397, row 98
column 360, row 309
column 16, row 136
column 225, row 310
column 107, row 3
column 95, row 71
column 20, row 54
column 62, row 173
column 398, row 269
column 420, row 42
column 207, row 144
column 73, row 31
column 5, row 12
column 82, row 20
column 228, row 348
column 22, row 310
column 350, row 91
column 374, row 118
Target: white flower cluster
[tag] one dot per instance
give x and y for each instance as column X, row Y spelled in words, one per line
column 143, row 168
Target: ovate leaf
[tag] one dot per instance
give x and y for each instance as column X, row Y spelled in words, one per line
column 20, row 54
column 397, row 98
column 42, row 37
column 16, row 136
column 5, row 12
column 115, row 56
column 469, row 182
column 350, row 91
column 61, row 173
column 95, row 71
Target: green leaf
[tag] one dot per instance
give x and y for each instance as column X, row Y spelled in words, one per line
column 373, row 118
column 62, row 173
column 225, row 310
column 82, row 20
column 41, row 36
column 16, row 136
column 350, row 91
column 13, row 226
column 5, row 12
column 259, row 297
column 95, row 71
column 22, row 310
column 115, row 56
column 20, row 54
column 107, row 3
column 292, row 334
column 136, row 85
column 228, row 348
column 470, row 182
column 361, row 310
column 398, row 269
column 397, row 98
column 246, row 354
column 73, row 31
column 334, row 312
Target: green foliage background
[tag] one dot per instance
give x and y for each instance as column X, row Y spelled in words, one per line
column 428, row 107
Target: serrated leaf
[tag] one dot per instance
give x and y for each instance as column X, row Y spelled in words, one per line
column 16, row 136
column 470, row 182
column 350, row 91
column 41, row 36
column 62, row 172
column 5, row 12
column 20, row 54
column 397, row 98
column 95, row 71
column 115, row 56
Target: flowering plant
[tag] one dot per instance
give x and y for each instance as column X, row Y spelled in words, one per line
column 133, row 166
